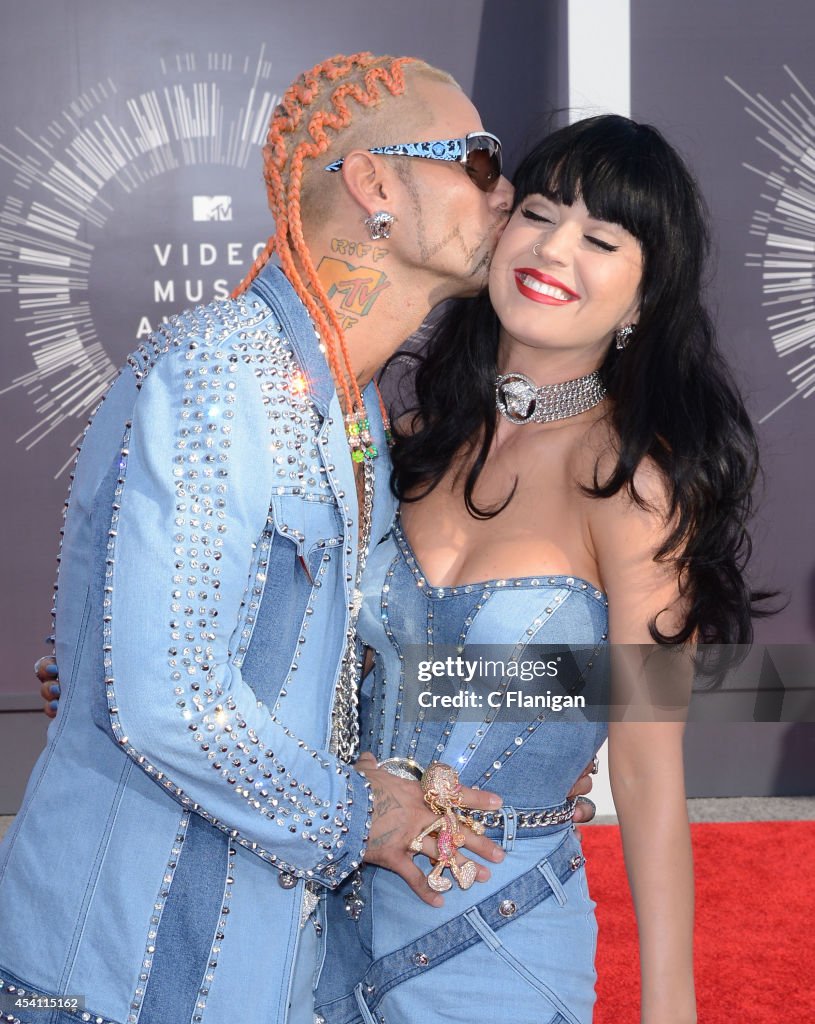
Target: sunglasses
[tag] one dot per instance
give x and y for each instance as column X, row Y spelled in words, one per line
column 479, row 152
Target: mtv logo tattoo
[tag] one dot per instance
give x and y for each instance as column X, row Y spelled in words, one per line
column 352, row 290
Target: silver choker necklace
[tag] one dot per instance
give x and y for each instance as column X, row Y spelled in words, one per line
column 520, row 401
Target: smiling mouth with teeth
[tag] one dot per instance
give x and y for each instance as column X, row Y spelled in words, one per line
column 541, row 291
column 544, row 289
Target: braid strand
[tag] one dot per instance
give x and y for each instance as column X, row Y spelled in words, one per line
column 283, row 172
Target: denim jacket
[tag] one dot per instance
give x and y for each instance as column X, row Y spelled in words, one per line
column 158, row 864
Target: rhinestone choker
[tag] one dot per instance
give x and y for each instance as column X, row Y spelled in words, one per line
column 520, row 401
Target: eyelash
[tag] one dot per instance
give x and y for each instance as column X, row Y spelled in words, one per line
column 530, row 215
column 605, row 246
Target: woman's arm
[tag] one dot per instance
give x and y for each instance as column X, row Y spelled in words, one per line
column 645, row 745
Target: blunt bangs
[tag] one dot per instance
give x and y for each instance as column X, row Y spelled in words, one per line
column 617, row 167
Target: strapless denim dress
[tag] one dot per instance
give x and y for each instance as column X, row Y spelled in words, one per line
column 520, row 947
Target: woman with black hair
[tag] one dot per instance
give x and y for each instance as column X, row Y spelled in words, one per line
column 576, row 471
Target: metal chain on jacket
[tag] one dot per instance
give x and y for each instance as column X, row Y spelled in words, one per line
column 344, row 742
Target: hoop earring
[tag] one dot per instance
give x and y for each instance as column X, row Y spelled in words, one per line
column 623, row 334
column 379, row 224
column 535, row 249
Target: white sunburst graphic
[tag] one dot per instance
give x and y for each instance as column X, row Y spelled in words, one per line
column 68, row 183
column 785, row 222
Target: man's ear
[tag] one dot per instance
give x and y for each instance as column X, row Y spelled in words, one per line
column 367, row 179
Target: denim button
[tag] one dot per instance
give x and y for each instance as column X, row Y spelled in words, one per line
column 421, row 959
column 286, row 881
column 507, row 908
column 575, row 862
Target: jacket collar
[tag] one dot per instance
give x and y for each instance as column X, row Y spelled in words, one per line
column 274, row 288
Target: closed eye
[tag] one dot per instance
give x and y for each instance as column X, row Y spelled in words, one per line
column 605, row 246
column 531, row 215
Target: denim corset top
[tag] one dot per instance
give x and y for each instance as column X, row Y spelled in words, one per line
column 484, row 676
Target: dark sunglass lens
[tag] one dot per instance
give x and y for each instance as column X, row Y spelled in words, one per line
column 484, row 162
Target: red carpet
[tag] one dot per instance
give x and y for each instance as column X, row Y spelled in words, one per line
column 755, row 915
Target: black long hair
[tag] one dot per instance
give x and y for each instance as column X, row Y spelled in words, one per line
column 673, row 399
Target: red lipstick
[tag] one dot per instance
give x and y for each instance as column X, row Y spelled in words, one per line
column 536, row 296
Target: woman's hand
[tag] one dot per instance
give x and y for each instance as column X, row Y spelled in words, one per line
column 585, row 809
column 46, row 670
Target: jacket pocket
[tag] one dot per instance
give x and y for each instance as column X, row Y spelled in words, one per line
column 314, row 527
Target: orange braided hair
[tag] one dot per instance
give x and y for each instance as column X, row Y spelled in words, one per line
column 283, row 173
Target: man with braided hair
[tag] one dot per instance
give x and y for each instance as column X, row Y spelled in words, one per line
column 195, row 795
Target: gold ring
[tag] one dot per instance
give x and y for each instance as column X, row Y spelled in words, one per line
column 415, row 845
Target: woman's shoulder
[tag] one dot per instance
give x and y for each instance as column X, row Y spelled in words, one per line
column 639, row 512
column 595, row 457
column 627, row 530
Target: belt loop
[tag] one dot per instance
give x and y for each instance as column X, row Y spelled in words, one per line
column 510, row 816
column 367, row 1016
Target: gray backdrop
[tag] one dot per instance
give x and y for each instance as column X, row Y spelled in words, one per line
column 762, row 289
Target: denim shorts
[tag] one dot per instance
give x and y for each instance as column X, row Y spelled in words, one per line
column 517, row 951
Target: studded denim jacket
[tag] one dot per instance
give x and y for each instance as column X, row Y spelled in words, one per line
column 186, row 795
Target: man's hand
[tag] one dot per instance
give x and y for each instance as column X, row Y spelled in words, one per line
column 585, row 809
column 400, row 814
column 48, row 674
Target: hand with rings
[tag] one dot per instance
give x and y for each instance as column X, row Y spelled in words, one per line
column 409, row 819
column 584, row 807
column 442, row 794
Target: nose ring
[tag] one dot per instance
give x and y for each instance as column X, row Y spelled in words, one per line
column 535, row 249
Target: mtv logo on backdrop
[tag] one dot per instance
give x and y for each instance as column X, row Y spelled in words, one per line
column 212, row 207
